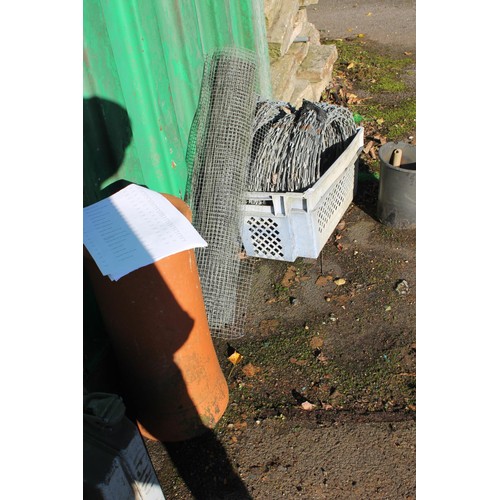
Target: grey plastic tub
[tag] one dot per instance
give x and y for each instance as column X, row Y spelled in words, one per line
column 396, row 205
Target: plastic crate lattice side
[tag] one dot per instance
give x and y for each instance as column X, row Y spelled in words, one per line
column 341, row 191
column 265, row 236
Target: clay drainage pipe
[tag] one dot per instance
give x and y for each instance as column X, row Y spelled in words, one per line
column 169, row 370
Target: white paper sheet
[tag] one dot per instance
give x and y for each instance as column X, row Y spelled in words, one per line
column 133, row 228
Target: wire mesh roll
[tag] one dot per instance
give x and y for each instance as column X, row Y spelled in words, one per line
column 224, row 123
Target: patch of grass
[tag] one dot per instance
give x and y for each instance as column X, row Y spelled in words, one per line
column 385, row 105
column 371, row 70
column 281, row 292
column 394, row 121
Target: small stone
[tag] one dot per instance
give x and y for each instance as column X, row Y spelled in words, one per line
column 402, row 287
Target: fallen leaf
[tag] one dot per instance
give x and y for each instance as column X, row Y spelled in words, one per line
column 339, row 281
column 341, row 225
column 250, row 370
column 368, row 146
column 289, row 276
column 307, row 406
column 407, row 53
column 235, row 358
column 322, row 358
column 352, row 98
column 326, row 406
column 380, row 121
column 316, row 342
column 323, row 280
column 369, row 14
column 300, row 362
column 350, row 65
column 361, row 35
column 412, row 407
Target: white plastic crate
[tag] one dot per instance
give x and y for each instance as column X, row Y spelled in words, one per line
column 291, row 225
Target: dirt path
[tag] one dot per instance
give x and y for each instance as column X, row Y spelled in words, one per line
column 391, row 23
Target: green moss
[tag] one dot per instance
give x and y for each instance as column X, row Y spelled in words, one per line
column 274, row 50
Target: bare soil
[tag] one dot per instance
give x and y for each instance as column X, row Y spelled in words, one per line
column 323, row 404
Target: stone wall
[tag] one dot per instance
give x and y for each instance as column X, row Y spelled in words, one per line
column 301, row 67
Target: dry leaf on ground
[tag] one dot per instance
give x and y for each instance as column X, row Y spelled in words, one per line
column 289, row 276
column 250, row 370
column 235, row 358
column 323, row 280
column 316, row 342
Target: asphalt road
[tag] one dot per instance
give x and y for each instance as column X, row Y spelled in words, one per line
column 389, row 22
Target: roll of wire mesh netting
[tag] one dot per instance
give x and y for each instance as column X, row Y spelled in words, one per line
column 218, row 166
column 292, row 148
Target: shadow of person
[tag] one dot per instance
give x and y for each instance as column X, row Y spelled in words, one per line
column 107, row 133
column 153, row 328
column 203, row 465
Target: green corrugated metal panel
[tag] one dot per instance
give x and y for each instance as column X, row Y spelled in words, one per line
column 143, row 63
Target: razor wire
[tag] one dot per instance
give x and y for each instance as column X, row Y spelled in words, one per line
column 291, row 148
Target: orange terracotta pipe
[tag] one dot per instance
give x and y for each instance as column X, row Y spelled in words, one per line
column 156, row 319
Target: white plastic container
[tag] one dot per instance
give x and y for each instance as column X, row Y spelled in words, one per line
column 292, row 225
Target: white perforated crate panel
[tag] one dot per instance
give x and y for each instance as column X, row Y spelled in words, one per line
column 333, row 206
column 284, row 226
column 268, row 237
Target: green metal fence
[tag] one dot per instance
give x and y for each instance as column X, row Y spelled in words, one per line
column 143, row 63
